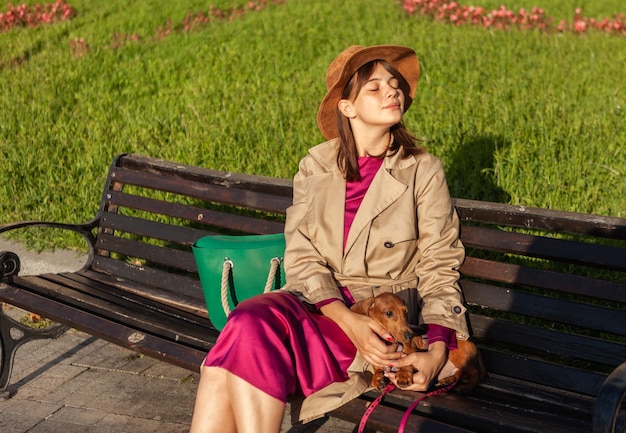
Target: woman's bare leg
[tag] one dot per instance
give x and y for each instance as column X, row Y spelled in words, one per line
column 253, row 412
column 212, row 411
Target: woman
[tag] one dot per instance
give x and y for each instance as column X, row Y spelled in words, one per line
column 371, row 213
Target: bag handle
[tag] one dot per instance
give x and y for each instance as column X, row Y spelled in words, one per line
column 229, row 265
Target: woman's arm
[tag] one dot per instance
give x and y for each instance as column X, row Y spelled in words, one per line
column 306, row 269
column 441, row 253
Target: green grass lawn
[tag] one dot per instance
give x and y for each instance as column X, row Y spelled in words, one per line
column 529, row 118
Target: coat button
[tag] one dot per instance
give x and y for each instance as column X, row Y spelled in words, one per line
column 389, row 244
column 457, row 309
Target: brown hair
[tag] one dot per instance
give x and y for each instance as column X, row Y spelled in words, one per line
column 347, row 157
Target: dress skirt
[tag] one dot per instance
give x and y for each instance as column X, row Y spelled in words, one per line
column 279, row 345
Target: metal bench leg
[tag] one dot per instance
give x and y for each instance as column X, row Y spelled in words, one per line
column 12, row 335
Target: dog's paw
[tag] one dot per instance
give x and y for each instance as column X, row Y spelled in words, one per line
column 446, row 381
column 379, row 381
column 404, row 378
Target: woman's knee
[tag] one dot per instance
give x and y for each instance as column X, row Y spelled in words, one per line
column 216, row 376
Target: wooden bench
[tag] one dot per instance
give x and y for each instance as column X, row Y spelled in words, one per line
column 546, row 292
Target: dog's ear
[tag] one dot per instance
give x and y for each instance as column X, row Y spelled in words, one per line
column 361, row 307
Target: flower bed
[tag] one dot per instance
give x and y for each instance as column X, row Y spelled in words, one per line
column 40, row 14
column 452, row 12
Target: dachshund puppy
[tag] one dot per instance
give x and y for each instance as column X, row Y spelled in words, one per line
column 391, row 312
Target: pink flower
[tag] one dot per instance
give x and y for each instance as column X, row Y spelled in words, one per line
column 580, row 26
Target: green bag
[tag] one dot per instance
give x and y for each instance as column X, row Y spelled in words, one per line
column 235, row 268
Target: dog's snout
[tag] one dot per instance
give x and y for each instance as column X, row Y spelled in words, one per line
column 408, row 335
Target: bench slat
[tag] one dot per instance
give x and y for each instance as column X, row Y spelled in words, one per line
column 180, row 235
column 492, row 408
column 536, row 371
column 387, row 419
column 271, row 185
column 180, row 291
column 101, row 327
column 549, row 341
column 197, row 215
column 200, row 190
column 76, row 289
column 113, row 287
column 573, row 313
column 519, row 275
column 527, row 394
column 560, row 250
column 119, row 310
column 541, row 219
column 171, row 257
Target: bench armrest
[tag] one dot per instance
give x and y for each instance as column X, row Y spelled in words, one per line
column 9, row 262
column 609, row 401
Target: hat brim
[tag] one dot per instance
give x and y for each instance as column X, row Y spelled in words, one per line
column 402, row 58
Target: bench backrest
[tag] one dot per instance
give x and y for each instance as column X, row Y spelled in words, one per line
column 549, row 285
column 546, row 289
column 152, row 211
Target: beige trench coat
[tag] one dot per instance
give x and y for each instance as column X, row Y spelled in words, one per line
column 404, row 235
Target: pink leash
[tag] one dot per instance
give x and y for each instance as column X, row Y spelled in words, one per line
column 373, row 405
column 407, row 413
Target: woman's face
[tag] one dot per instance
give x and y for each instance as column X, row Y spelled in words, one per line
column 378, row 104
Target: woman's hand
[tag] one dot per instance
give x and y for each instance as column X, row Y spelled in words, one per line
column 428, row 365
column 366, row 334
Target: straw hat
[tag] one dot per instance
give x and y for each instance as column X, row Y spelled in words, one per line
column 347, row 63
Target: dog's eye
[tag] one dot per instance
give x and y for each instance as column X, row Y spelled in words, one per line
column 389, row 313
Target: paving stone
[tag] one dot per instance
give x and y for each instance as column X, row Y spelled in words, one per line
column 8, row 404
column 139, row 364
column 67, row 397
column 36, row 409
column 77, row 415
column 168, row 371
column 91, row 377
column 18, row 422
column 56, row 426
column 167, row 427
column 129, row 405
column 49, row 382
column 116, row 422
column 27, row 392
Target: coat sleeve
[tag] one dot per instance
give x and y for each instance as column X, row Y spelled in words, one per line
column 441, row 253
column 306, row 270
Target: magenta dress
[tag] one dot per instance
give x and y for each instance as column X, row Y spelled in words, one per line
column 285, row 347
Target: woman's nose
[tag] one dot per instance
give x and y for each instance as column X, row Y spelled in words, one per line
column 391, row 91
